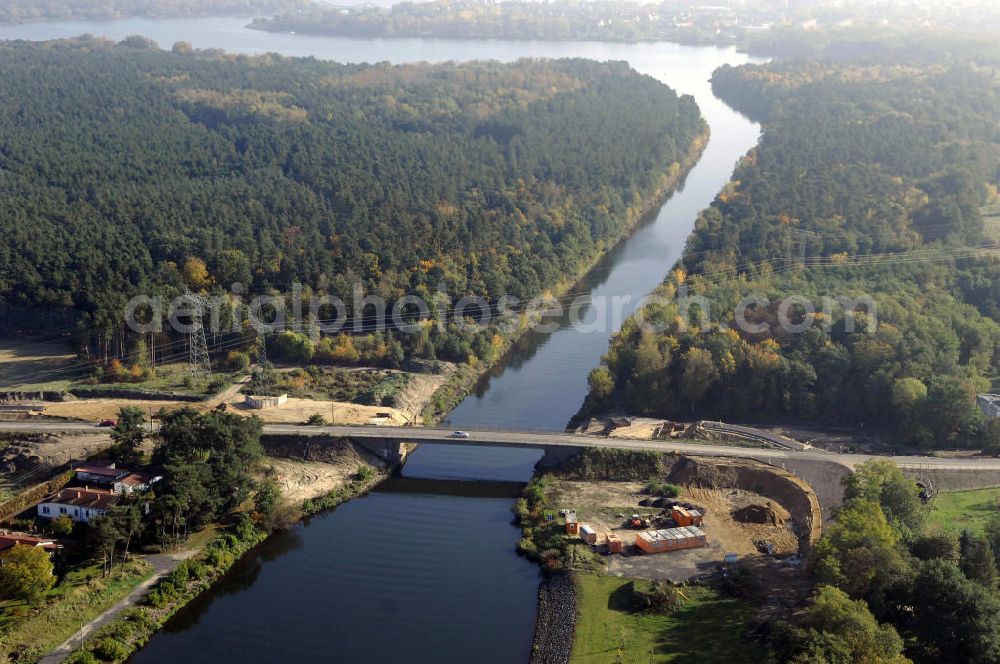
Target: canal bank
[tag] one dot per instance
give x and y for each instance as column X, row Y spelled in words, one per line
column 396, row 572
column 467, row 379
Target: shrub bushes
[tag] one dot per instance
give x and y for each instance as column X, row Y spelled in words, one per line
column 111, row 650
column 82, row 657
column 663, row 489
column 215, row 385
column 237, row 360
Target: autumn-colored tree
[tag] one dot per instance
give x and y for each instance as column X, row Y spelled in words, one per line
column 26, row 573
column 195, row 274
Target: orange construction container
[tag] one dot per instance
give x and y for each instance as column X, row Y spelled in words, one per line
column 671, row 539
column 572, row 525
column 684, row 517
column 614, row 543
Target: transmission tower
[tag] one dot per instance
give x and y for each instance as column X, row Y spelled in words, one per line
column 802, row 236
column 197, row 343
column 263, row 374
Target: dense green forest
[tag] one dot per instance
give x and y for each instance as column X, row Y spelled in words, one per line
column 127, row 169
column 894, row 586
column 18, row 11
column 871, row 179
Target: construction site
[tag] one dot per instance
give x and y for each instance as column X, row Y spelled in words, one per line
column 726, row 512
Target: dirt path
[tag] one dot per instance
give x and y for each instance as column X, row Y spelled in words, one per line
column 162, row 564
column 229, row 394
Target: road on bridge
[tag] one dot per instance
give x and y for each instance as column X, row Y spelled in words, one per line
column 543, row 440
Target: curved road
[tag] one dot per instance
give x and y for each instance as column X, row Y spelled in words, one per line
column 499, row 438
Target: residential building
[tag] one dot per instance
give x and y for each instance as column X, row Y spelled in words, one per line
column 9, row 540
column 100, row 473
column 79, row 504
column 119, row 480
column 138, row 481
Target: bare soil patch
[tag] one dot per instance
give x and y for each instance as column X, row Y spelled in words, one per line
column 295, row 411
column 419, row 391
column 302, row 480
column 58, row 450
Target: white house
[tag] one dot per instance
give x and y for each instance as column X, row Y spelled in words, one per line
column 120, row 480
column 78, row 504
column 135, row 482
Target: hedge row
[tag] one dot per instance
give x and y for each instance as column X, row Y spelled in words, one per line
column 14, row 506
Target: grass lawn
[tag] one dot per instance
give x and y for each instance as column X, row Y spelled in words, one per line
column 170, row 378
column 965, row 510
column 707, row 629
column 35, row 365
column 82, row 596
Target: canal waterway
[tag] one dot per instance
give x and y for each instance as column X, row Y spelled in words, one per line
column 425, row 571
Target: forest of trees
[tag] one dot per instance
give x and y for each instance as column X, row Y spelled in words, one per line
column 20, row 11
column 871, row 179
column 893, row 589
column 127, row 169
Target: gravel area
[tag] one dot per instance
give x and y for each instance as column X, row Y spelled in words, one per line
column 555, row 622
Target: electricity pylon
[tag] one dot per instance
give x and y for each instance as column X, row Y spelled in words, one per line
column 802, row 236
column 263, row 374
column 199, row 362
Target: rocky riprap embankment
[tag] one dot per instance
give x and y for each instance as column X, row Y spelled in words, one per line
column 555, row 622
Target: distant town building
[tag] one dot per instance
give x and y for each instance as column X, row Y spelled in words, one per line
column 79, row 504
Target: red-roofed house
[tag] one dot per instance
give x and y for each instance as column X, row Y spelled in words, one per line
column 120, row 480
column 101, row 473
column 138, row 481
column 9, row 540
column 79, row 504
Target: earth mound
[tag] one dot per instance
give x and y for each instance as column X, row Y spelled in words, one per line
column 763, row 514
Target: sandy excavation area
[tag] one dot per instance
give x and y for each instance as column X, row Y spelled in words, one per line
column 58, row 450
column 296, row 411
column 301, row 480
column 305, row 471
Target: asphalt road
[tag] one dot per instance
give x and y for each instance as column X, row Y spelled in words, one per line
column 541, row 440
